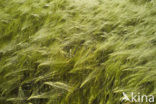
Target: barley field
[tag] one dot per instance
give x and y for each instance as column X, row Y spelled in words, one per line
column 77, row 51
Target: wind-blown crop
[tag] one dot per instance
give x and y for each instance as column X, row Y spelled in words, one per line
column 76, row 51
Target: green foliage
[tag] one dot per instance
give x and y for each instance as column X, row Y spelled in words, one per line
column 76, row 51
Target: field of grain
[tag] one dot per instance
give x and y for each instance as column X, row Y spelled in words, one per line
column 76, row 51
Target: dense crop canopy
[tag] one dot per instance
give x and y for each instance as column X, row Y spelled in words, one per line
column 76, row 51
